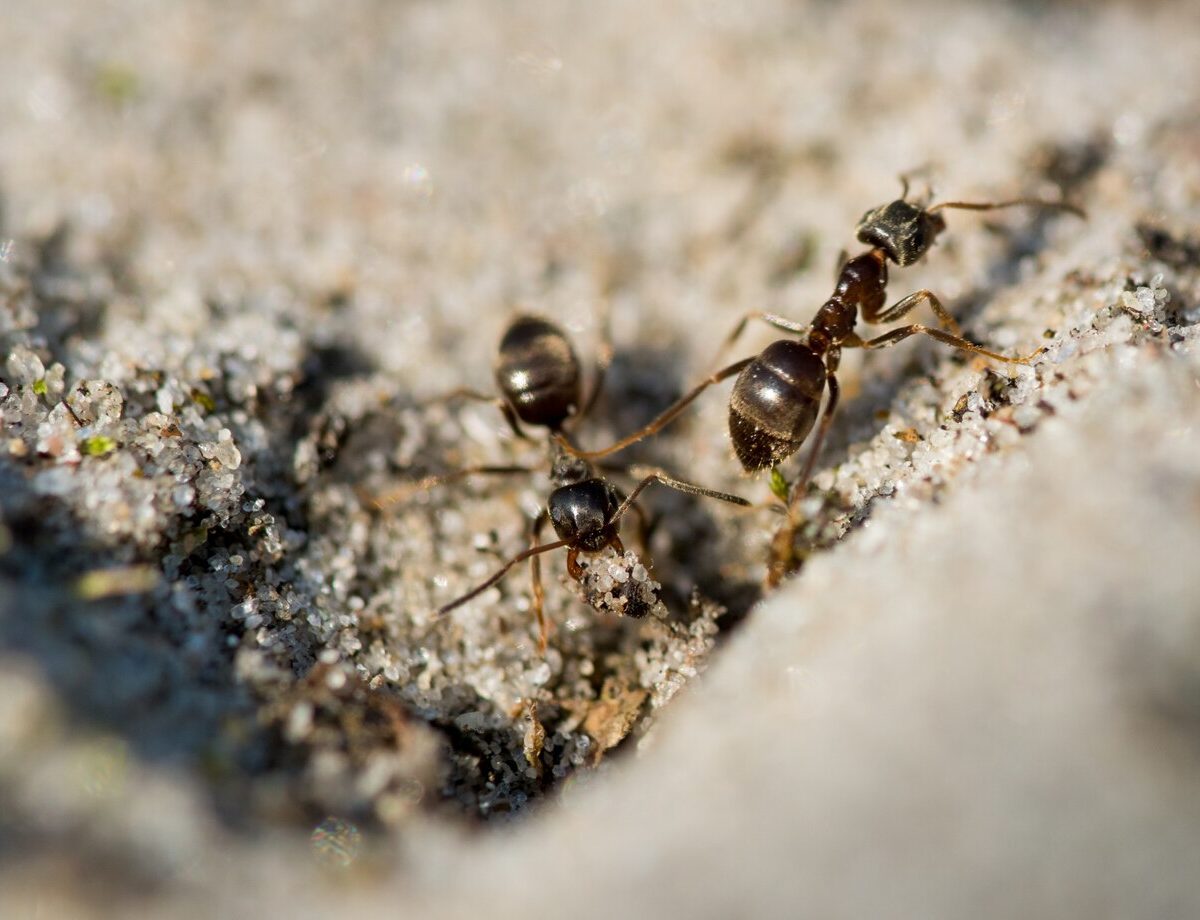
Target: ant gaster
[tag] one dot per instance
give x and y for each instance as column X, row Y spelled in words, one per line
column 539, row 377
column 776, row 399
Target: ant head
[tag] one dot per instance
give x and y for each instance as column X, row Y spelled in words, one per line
column 903, row 230
column 582, row 512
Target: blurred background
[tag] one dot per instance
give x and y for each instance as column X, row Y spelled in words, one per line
column 282, row 227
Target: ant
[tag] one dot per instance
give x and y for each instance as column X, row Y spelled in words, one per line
column 776, row 399
column 538, row 375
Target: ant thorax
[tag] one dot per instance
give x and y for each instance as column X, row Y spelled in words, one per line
column 566, row 470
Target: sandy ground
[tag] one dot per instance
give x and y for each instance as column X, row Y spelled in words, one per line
column 243, row 254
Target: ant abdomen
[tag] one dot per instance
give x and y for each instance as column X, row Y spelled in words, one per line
column 774, row 403
column 538, row 372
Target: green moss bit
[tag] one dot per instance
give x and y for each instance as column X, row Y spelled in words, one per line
column 204, row 401
column 101, row 583
column 117, row 83
column 98, row 445
column 193, row 540
column 39, row 386
column 779, row 485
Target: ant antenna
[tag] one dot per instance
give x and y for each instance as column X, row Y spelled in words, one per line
column 604, row 357
column 907, row 176
column 680, row 486
column 518, row 558
column 1013, row 202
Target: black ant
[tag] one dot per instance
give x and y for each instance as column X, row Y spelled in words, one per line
column 539, row 377
column 776, row 399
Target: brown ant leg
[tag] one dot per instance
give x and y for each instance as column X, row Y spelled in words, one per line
column 401, row 493
column 779, row 322
column 664, row 418
column 784, row 559
column 604, row 356
column 800, row 486
column 643, row 533
column 906, row 304
column 898, row 335
column 475, row 396
column 574, row 569
column 842, row 256
column 535, row 578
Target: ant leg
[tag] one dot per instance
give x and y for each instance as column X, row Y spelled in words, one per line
column 510, row 416
column 643, row 532
column 406, row 491
column 604, row 356
column 898, row 335
column 779, row 322
column 678, row 485
column 645, row 526
column 842, row 256
column 664, row 418
column 905, row 305
column 574, row 569
column 535, row 577
column 784, row 557
column 800, row 486
column 671, row 412
column 519, row 557
column 75, row 415
column 475, row 396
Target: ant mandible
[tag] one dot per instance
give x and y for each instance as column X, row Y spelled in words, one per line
column 539, row 378
column 776, row 399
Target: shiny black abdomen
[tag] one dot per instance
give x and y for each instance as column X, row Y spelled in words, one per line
column 774, row 403
column 537, row 372
column 582, row 513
